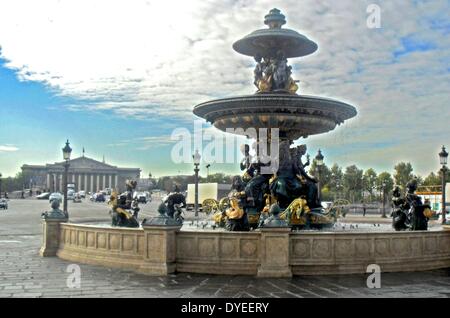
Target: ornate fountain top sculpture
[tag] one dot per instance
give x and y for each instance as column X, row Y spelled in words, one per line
column 274, row 19
column 267, row 42
column 271, row 48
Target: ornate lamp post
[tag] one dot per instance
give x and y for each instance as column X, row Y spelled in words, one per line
column 384, row 199
column 66, row 155
column 443, row 155
column 196, row 158
column 1, row 185
column 319, row 162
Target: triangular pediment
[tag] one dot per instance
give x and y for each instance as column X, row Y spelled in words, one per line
column 87, row 163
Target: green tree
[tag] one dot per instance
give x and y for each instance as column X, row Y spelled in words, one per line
column 432, row 180
column 217, row 178
column 336, row 180
column 403, row 174
column 15, row 183
column 386, row 179
column 165, row 183
column 447, row 176
column 353, row 179
column 325, row 174
column 370, row 181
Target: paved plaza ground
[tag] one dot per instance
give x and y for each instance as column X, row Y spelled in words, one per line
column 23, row 273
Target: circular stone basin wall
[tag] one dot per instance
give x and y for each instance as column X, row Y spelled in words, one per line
column 264, row 252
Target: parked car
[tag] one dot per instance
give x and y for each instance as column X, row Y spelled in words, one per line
column 43, row 196
column 70, row 194
column 100, row 197
column 3, row 204
column 141, row 197
column 55, row 196
column 77, row 198
column 82, row 194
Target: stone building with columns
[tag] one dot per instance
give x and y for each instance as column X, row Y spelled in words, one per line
column 87, row 174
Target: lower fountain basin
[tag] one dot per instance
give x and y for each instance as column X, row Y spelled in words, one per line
column 274, row 252
column 295, row 115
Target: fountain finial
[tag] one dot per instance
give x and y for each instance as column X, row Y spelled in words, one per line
column 275, row 19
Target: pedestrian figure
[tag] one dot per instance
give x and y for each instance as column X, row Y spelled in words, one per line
column 364, row 209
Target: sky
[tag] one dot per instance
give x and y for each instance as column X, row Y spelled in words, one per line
column 118, row 77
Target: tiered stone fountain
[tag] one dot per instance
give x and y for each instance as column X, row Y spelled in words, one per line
column 276, row 105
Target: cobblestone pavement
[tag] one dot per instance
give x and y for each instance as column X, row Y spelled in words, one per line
column 24, row 274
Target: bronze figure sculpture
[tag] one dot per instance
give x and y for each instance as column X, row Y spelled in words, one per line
column 409, row 212
column 124, row 208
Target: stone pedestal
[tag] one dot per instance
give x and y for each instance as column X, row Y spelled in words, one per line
column 160, row 249
column 274, row 256
column 50, row 236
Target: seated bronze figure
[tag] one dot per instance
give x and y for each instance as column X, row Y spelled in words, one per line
column 124, row 209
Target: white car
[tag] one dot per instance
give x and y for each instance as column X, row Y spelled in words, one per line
column 70, row 194
column 141, row 197
column 55, row 196
column 82, row 194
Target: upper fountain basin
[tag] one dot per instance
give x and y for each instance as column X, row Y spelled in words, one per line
column 267, row 42
column 295, row 115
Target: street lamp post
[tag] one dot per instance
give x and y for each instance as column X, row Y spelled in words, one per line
column 384, row 199
column 196, row 157
column 66, row 155
column 319, row 162
column 443, row 155
column 207, row 170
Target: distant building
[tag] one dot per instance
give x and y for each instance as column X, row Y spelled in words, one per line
column 145, row 184
column 86, row 173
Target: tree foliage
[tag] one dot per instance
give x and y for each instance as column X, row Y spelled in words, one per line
column 403, row 173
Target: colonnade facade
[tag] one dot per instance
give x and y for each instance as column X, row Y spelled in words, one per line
column 85, row 173
column 89, row 182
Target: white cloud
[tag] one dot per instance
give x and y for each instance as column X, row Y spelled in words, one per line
column 8, row 148
column 159, row 58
